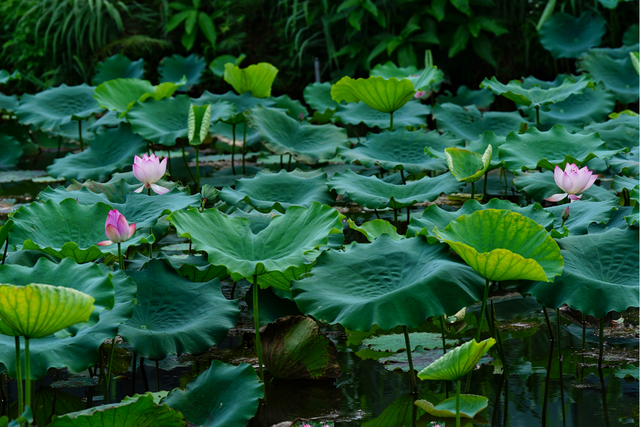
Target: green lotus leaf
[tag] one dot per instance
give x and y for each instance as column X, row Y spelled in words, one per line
column 376, row 228
column 8, row 104
column 503, row 245
column 217, row 65
column 611, row 4
column 268, row 191
column 482, row 98
column 600, row 274
column 80, row 351
column 199, row 123
column 25, row 417
column 141, row 412
column 567, row 37
column 222, row 396
column 256, row 78
column 556, row 147
column 242, row 103
column 281, row 245
column 470, row 406
column 120, row 94
column 163, row 121
column 118, row 67
column 223, row 132
column 434, row 216
column 469, row 123
column 109, row 120
column 294, row 348
column 584, row 213
column 422, row 80
column 37, row 226
column 620, row 183
column 389, row 274
column 69, row 131
column 626, row 163
column 110, row 151
column 413, row 113
column 631, row 35
column 457, row 362
column 614, row 68
column 174, row 315
column 374, row 193
column 467, row 166
column 318, row 96
column 11, row 151
column 5, row 77
column 536, row 96
column 386, row 96
column 400, row 413
column 394, row 343
column 140, row 208
column 292, row 107
column 307, row 143
column 272, row 307
column 195, row 267
column 401, row 150
column 173, row 68
column 390, row 69
column 481, row 145
column 47, row 402
column 57, row 106
column 20, row 175
column 539, row 186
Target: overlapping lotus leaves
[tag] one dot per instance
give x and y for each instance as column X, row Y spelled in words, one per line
column 318, row 96
column 584, row 213
column 118, row 67
column 376, row 228
column 620, row 133
column 70, row 130
column 470, row 406
column 38, row 226
column 413, row 113
column 540, row 186
column 282, row 244
column 434, row 216
column 8, row 104
column 222, row 396
column 626, row 163
column 457, row 362
column 140, row 208
column 389, row 274
column 256, row 78
column 80, row 351
column 174, row 315
column 400, row 413
column 467, row 166
column 503, row 245
column 25, row 417
column 422, row 80
column 614, row 68
column 162, row 121
column 5, row 77
column 137, row 412
column 567, row 37
column 120, row 94
column 242, row 103
column 374, row 193
column 600, row 274
column 384, row 95
column 111, row 150
column 401, row 150
column 488, row 139
column 173, row 68
column 11, row 151
column 535, row 149
column 217, row 65
column 307, row 143
column 536, row 96
column 292, row 107
column 482, row 98
column 268, row 191
column 469, row 123
column 56, row 106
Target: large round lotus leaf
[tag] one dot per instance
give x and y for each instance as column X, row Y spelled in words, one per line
column 372, row 284
column 401, row 149
column 118, row 67
column 223, row 132
column 109, row 120
column 140, row 208
column 614, row 68
column 242, row 103
column 536, row 96
column 600, row 274
column 469, row 406
column 466, row 165
column 482, row 98
column 556, row 147
column 256, row 79
column 57, row 106
column 318, row 96
column 217, row 65
column 626, row 163
column 503, row 245
column 173, row 68
column 295, row 348
column 110, row 151
column 488, row 139
column 434, row 216
column 11, row 151
column 457, row 362
column 121, row 94
column 374, row 193
column 378, row 93
column 422, row 80
column 174, row 315
column 293, row 107
column 584, row 213
column 80, row 351
column 8, row 104
column 413, row 113
column 67, row 230
column 618, row 134
column 163, row 121
column 268, row 191
column 631, row 36
column 469, row 123
column 222, row 396
column 307, row 143
column 389, row 69
column 282, row 244
column 539, row 186
column 141, row 412
column 567, row 37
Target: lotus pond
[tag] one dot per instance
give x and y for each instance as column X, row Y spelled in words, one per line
column 382, row 252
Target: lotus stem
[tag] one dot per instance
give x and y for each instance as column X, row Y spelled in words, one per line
column 19, row 376
column 150, row 244
column 80, row 135
column 169, row 161
column 233, row 148
column 473, row 190
column 256, row 320
column 184, row 159
column 376, row 212
column 120, row 258
column 483, row 308
column 545, row 402
column 414, row 386
column 198, row 169
column 391, row 121
column 133, row 373
column 4, row 254
column 282, row 162
column 144, row 375
column 190, row 243
column 546, row 318
column 584, row 341
column 537, row 107
column 402, row 176
column 458, row 404
column 157, row 375
column 408, row 215
column 395, row 217
column 484, row 187
column 244, row 148
column 605, row 410
column 444, row 351
column 59, row 145
column 289, row 163
column 601, row 343
column 108, row 379
column 27, row 373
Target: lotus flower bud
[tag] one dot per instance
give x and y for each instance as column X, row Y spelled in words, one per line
column 117, row 228
column 565, row 214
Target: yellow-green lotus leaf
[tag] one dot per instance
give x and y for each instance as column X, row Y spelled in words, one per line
column 470, row 406
column 256, row 78
column 37, row 311
column 384, row 95
column 457, row 362
column 466, row 165
column 504, row 245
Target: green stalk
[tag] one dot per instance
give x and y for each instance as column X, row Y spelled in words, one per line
column 120, row 258
column 19, row 377
column 411, row 373
column 186, row 164
column 256, row 321
column 484, row 187
column 244, row 147
column 395, row 217
column 169, row 161
column 473, row 190
column 482, row 310
column 27, row 373
column 402, row 176
column 391, row 121
column 537, row 115
column 458, row 404
column 289, row 163
column 197, row 169
column 80, row 135
column 151, row 244
column 108, row 379
column 4, row 255
column 601, row 343
column 233, row 148
column 546, row 318
column 444, row 351
column 157, row 375
column 584, row 341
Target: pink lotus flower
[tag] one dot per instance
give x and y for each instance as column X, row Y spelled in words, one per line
column 149, row 170
column 572, row 181
column 420, row 94
column 117, row 228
